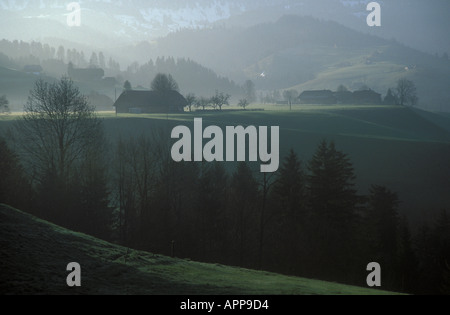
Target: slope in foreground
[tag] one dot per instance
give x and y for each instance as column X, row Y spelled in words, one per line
column 34, row 255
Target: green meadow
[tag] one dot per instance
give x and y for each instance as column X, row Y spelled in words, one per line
column 405, row 149
column 35, row 254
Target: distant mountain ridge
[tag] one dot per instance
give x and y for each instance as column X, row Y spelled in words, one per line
column 128, row 21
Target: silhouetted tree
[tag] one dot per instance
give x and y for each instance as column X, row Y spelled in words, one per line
column 383, row 227
column 289, row 193
column 243, row 103
column 333, row 204
column 15, row 189
column 191, row 100
column 290, row 188
column 266, row 184
column 249, row 91
column 383, row 218
column 290, row 96
column 407, row 261
column 58, row 126
column 127, row 86
column 213, row 195
column 56, row 133
column 91, row 210
column 406, row 92
column 164, row 83
column 243, row 205
column 219, row 100
column 202, row 102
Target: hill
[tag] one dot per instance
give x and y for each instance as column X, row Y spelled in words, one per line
column 35, row 253
column 308, row 53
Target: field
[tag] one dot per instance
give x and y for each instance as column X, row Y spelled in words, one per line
column 35, row 254
column 405, row 149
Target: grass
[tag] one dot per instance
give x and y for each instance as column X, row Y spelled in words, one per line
column 35, row 254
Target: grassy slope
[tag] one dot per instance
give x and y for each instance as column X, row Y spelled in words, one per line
column 35, row 253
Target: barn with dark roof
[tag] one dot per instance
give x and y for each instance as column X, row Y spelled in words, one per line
column 317, row 97
column 150, row 102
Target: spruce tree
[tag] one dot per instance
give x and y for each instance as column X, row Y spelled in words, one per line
column 333, row 203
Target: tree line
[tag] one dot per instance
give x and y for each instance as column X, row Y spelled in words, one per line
column 308, row 219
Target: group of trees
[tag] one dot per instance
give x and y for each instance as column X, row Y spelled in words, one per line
column 165, row 82
column 217, row 101
column 191, row 76
column 288, row 96
column 404, row 94
column 24, row 53
column 60, row 141
column 307, row 219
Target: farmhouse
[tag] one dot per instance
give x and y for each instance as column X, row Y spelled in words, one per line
column 367, row 97
column 317, row 97
column 150, row 102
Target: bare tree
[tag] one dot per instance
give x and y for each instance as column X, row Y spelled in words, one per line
column 243, row 103
column 290, row 96
column 58, row 127
column 406, row 92
column 219, row 100
column 202, row 102
column 191, row 100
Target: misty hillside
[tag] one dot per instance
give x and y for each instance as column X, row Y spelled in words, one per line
column 307, row 53
column 35, row 253
column 16, row 83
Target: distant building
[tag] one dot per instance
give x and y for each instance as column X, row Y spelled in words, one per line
column 34, row 69
column 317, row 97
column 344, row 97
column 150, row 102
column 367, row 97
